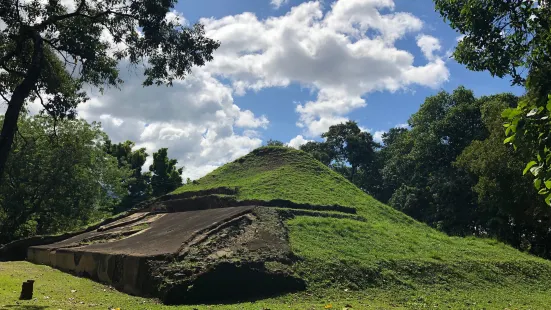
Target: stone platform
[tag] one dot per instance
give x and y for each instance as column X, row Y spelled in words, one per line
column 185, row 248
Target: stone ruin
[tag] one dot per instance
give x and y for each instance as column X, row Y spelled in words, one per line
column 193, row 247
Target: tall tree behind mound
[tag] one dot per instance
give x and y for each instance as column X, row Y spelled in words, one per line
column 139, row 183
column 419, row 162
column 165, row 176
column 49, row 51
column 350, row 151
column 60, row 178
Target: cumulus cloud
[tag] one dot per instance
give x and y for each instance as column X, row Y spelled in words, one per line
column 428, row 45
column 176, row 17
column 378, row 136
column 342, row 54
column 195, row 119
column 297, row 141
column 247, row 119
column 278, row 3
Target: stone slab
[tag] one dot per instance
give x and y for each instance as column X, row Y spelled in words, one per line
column 165, row 236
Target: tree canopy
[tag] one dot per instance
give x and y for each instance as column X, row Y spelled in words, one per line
column 138, row 183
column 512, row 38
column 50, row 50
column 346, row 149
column 58, row 179
column 166, row 177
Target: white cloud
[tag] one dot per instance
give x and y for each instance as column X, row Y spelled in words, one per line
column 175, row 16
column 460, row 38
column 402, row 125
column 278, row 3
column 194, row 119
column 428, row 45
column 297, row 141
column 343, row 55
column 378, row 136
column 247, row 119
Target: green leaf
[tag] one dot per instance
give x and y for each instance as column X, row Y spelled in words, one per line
column 509, row 139
column 548, row 184
column 548, row 200
column 535, row 170
column 528, row 166
column 537, row 183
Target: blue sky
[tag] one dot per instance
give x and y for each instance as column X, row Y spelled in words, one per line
column 288, row 73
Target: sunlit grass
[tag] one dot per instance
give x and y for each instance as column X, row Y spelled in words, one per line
column 389, row 261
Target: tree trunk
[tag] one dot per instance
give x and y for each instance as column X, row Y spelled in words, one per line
column 352, row 174
column 18, row 97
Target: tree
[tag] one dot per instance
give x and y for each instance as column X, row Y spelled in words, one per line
column 512, row 38
column 59, row 179
column 507, row 207
column 49, row 52
column 396, row 146
column 166, row 177
column 347, row 150
column 319, row 150
column 139, row 183
column 418, row 163
column 350, row 145
column 274, row 143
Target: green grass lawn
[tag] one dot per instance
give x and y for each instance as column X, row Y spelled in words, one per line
column 57, row 290
column 390, row 261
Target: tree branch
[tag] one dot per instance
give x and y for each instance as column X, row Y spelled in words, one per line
column 3, row 97
column 55, row 19
column 60, row 52
column 13, row 71
column 49, row 111
column 7, row 57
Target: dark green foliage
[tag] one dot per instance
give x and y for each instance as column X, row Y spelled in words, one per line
column 319, row 151
column 165, row 176
column 59, row 179
column 508, row 207
column 139, row 183
column 449, row 170
column 349, row 151
column 272, row 142
column 417, row 164
column 49, row 49
column 512, row 38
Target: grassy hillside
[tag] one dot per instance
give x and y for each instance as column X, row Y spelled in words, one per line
column 388, row 261
column 390, row 249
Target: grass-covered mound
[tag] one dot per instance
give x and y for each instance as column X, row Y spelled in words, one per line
column 386, row 261
column 388, row 250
